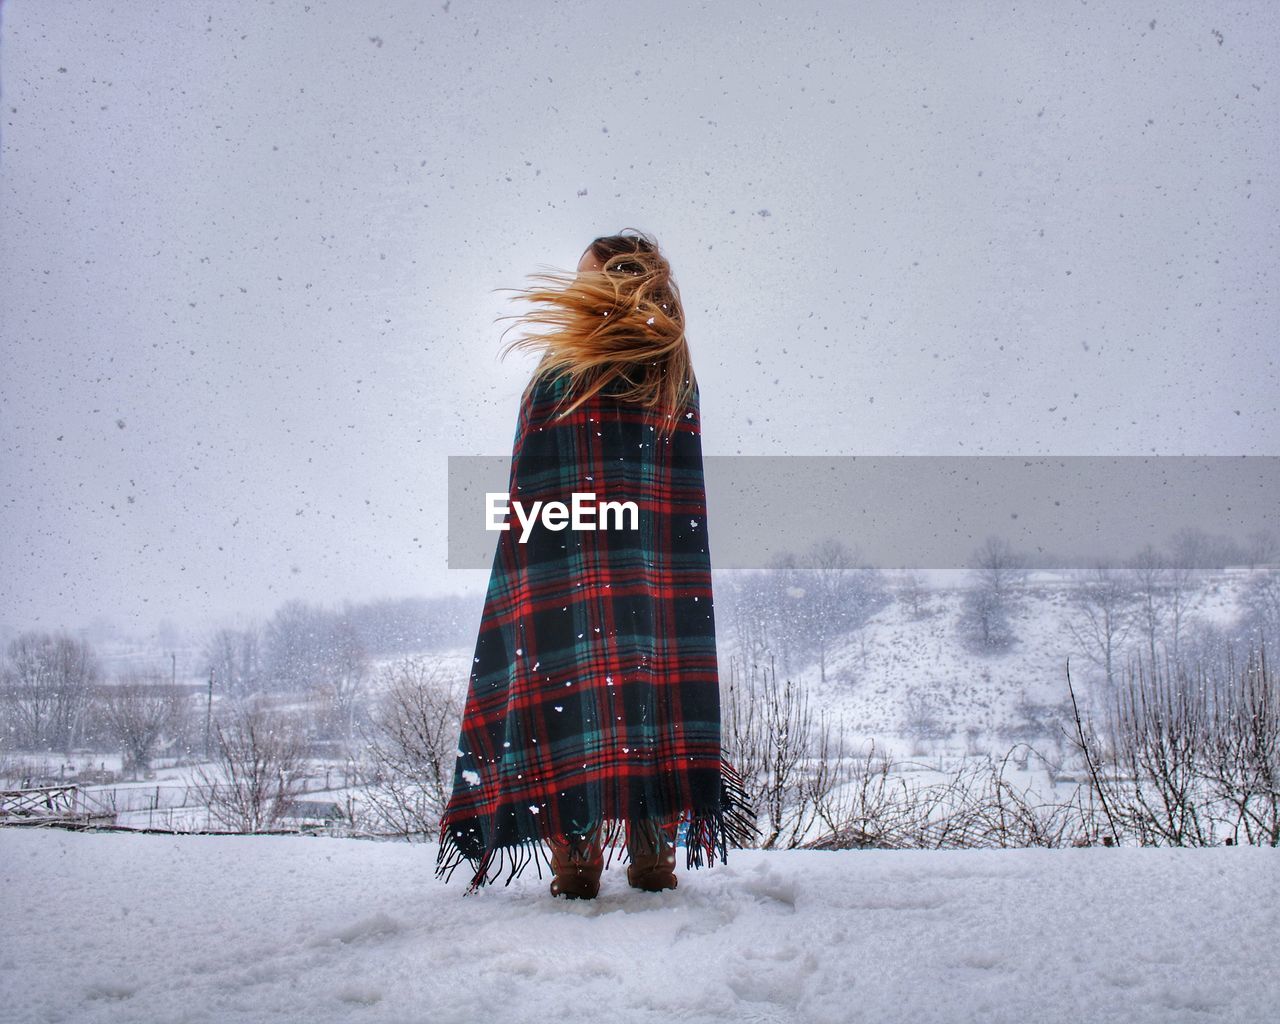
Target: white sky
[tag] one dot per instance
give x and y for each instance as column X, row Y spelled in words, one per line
column 249, row 253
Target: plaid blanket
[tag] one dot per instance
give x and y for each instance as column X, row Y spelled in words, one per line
column 594, row 691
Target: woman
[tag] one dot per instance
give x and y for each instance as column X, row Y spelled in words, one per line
column 593, row 706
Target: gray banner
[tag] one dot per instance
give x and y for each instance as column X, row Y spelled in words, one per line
column 933, row 512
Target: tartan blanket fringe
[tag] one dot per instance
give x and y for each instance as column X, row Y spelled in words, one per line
column 733, row 825
column 707, row 834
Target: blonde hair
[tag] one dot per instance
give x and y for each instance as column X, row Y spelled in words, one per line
column 623, row 323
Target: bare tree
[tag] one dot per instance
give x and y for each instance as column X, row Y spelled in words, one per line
column 771, row 612
column 914, row 595
column 1181, row 593
column 1195, row 549
column 748, row 599
column 1148, row 570
column 45, row 688
column 992, row 596
column 235, row 658
column 294, row 643
column 998, row 568
column 141, row 709
column 784, row 593
column 397, row 626
column 257, row 768
column 1033, row 718
column 798, row 607
column 412, row 746
column 984, row 620
column 921, row 719
column 341, row 676
column 1102, row 602
column 742, row 729
column 837, row 594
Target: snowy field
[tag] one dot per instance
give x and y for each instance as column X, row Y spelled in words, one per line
column 143, row 928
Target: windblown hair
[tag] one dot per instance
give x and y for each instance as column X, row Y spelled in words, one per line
column 622, row 323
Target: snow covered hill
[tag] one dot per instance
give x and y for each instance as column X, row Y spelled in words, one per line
column 147, row 928
column 874, row 676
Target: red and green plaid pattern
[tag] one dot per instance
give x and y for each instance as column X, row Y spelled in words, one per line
column 594, row 693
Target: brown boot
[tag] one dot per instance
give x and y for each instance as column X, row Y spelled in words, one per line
column 577, row 864
column 653, row 858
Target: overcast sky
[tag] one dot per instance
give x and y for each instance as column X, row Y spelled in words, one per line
column 250, row 253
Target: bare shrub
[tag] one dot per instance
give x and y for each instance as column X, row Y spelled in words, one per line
column 788, row 759
column 1159, row 731
column 1190, row 756
column 868, row 809
column 803, row 779
column 257, row 768
column 976, row 805
column 1242, row 754
column 1012, row 817
column 412, row 747
column 1260, row 603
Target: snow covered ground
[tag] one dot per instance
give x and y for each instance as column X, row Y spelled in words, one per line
column 141, row 928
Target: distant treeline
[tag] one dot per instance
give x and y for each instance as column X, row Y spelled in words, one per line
column 304, row 645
